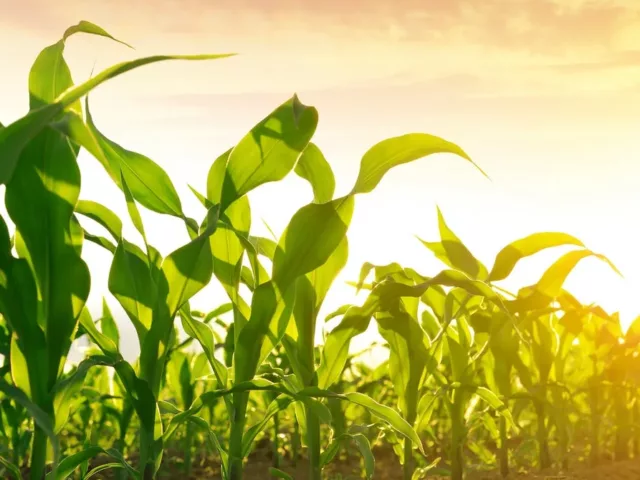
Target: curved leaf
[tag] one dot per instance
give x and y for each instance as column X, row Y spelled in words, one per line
column 269, row 152
column 315, row 169
column 101, row 214
column 454, row 253
column 17, row 135
column 510, row 255
column 383, row 156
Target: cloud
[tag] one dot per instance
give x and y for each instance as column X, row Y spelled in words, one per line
column 617, row 60
column 456, row 47
column 539, row 26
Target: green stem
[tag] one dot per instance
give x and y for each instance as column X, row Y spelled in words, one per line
column 121, row 442
column 595, row 421
column 146, row 454
column 295, row 443
column 187, row 449
column 563, row 433
column 238, row 422
column 504, row 448
column 636, row 437
column 457, row 435
column 622, row 425
column 544, row 458
column 313, row 444
column 409, row 464
column 38, row 454
column 276, row 441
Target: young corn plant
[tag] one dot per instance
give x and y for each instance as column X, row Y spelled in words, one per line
column 523, row 314
column 48, row 283
column 305, row 260
column 414, row 355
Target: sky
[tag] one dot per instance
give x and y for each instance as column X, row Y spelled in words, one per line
column 543, row 94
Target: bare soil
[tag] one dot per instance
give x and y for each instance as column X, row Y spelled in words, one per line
column 387, row 468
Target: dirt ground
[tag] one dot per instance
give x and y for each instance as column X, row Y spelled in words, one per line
column 387, row 468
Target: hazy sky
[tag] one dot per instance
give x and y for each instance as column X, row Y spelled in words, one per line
column 543, row 94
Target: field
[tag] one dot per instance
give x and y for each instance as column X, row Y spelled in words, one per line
column 475, row 382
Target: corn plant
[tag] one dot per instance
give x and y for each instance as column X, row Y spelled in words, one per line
column 305, row 260
column 48, row 283
column 472, row 374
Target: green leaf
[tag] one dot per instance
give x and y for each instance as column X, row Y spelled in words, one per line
column 389, row 415
column 312, row 235
column 267, row 153
column 101, row 214
column 408, row 358
column 108, row 324
column 336, row 347
column 315, row 169
column 454, row 253
column 40, row 417
column 552, row 280
column 278, row 404
column 87, row 27
column 105, row 343
column 188, row 270
column 130, row 281
column 101, row 468
column 149, row 184
column 495, row 403
column 510, row 255
column 204, row 335
column 276, row 472
column 15, row 137
column 364, row 447
column 12, row 468
column 100, row 241
column 311, row 290
column 383, row 156
column 65, row 389
column 132, row 208
column 70, row 463
column 40, row 198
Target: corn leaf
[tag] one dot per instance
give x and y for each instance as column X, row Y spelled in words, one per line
column 315, row 169
column 269, row 152
column 101, row 214
column 71, row 463
column 451, row 251
column 15, row 137
column 510, row 255
column 383, row 156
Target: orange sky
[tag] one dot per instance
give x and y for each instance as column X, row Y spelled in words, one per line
column 543, row 94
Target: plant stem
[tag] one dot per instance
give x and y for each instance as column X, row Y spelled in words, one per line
column 622, row 425
column 187, row 449
column 295, row 443
column 238, row 422
column 146, row 454
column 595, row 420
column 409, row 464
column 457, row 436
column 313, row 444
column 636, row 437
column 563, row 431
column 504, row 448
column 544, row 458
column 276, row 441
column 38, row 454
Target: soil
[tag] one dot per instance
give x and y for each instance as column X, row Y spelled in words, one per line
column 387, row 468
